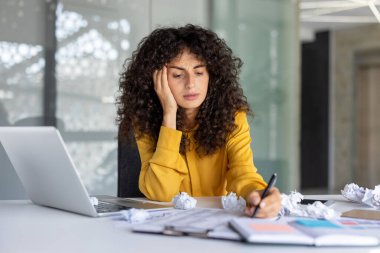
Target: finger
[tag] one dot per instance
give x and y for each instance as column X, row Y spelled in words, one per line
column 254, row 198
column 164, row 78
column 273, row 193
column 270, row 212
column 275, row 190
column 267, row 212
column 273, row 199
column 262, row 212
column 249, row 211
column 271, row 207
column 155, row 79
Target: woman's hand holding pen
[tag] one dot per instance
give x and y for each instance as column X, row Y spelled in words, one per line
column 268, row 206
column 168, row 103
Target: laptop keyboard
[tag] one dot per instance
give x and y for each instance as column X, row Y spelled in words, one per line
column 104, row 207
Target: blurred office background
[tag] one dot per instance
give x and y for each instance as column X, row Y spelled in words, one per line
column 310, row 74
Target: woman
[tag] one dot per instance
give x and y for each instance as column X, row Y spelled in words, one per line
column 181, row 98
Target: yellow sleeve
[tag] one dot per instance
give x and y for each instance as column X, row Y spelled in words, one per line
column 242, row 175
column 162, row 169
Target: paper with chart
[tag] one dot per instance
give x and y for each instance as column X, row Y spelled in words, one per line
column 202, row 222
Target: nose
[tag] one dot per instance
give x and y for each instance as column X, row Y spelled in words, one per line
column 190, row 82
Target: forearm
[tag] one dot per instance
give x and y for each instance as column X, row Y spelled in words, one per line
column 161, row 183
column 163, row 169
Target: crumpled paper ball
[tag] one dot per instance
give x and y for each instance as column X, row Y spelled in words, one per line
column 184, row 201
column 94, row 201
column 134, row 215
column 353, row 192
column 372, row 197
column 291, row 206
column 290, row 201
column 360, row 195
column 232, row 203
column 320, row 210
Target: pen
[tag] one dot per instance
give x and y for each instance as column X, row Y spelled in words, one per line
column 271, row 183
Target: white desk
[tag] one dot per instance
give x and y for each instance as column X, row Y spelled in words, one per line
column 25, row 227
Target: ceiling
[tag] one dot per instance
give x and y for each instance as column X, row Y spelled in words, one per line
column 322, row 15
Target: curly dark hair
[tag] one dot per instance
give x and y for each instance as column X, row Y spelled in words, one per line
column 139, row 109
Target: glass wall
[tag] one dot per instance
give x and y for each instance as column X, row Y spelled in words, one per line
column 21, row 71
column 94, row 39
column 21, row 60
column 264, row 34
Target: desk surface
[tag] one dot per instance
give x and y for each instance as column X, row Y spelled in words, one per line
column 25, row 227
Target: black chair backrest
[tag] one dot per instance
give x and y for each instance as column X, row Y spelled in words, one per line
column 129, row 166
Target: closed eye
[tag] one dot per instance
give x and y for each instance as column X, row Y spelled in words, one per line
column 199, row 73
column 178, row 76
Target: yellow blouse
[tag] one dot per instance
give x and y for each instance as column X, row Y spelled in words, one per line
column 165, row 172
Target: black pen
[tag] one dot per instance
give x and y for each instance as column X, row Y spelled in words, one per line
column 271, row 183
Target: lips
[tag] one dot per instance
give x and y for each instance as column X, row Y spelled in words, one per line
column 190, row 97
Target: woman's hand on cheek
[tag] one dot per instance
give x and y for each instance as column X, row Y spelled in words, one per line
column 168, row 103
column 269, row 206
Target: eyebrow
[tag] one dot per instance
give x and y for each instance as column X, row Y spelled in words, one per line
column 180, row 68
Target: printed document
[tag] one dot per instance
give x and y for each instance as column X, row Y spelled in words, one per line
column 201, row 222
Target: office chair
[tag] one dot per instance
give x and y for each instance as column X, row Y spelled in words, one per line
column 128, row 167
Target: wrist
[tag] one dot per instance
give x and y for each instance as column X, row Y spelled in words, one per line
column 170, row 120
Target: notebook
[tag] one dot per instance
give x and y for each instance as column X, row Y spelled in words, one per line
column 301, row 231
column 363, row 214
column 49, row 176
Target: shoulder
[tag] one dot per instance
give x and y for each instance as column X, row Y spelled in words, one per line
column 241, row 118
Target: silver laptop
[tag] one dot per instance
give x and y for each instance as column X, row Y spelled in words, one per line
column 49, row 176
